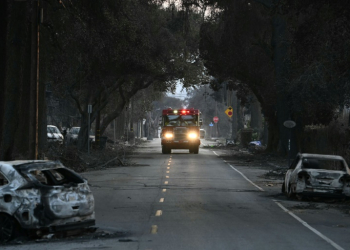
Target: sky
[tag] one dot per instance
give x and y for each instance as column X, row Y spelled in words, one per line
column 179, row 93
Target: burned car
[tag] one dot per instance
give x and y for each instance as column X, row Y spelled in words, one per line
column 42, row 197
column 312, row 175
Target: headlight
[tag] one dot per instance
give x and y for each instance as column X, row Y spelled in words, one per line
column 168, row 135
column 192, row 135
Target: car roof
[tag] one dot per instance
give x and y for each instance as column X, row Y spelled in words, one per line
column 322, row 156
column 21, row 162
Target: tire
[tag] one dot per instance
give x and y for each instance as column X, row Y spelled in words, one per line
column 283, row 190
column 290, row 193
column 164, row 150
column 196, row 150
column 8, row 228
column 190, row 150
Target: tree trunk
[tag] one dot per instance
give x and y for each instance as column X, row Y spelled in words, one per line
column 234, row 116
column 33, row 79
column 273, row 135
column 17, row 38
column 280, row 54
column 22, row 134
column 83, row 132
column 3, row 31
column 256, row 117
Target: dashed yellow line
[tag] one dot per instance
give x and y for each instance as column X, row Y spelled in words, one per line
column 166, row 182
column 167, row 167
column 161, row 200
column 159, row 213
column 167, row 177
column 167, row 172
column 164, row 190
column 154, row 229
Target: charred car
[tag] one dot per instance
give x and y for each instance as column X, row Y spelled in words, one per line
column 42, row 197
column 312, row 175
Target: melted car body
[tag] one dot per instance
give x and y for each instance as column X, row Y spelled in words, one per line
column 317, row 175
column 45, row 195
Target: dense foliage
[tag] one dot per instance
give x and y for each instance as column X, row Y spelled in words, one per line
column 293, row 55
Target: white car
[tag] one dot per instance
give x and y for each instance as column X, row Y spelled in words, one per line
column 317, row 175
column 54, row 134
column 72, row 135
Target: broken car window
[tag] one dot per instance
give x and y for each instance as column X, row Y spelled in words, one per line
column 39, row 176
column 54, row 177
column 326, row 164
column 3, row 180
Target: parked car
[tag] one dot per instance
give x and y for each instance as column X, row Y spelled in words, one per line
column 317, row 175
column 54, row 134
column 72, row 135
column 42, row 197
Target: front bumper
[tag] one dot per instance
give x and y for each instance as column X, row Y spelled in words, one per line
column 184, row 144
column 71, row 226
column 319, row 192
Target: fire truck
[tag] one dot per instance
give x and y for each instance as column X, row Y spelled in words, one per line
column 180, row 130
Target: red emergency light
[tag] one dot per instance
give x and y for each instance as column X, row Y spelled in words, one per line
column 180, row 112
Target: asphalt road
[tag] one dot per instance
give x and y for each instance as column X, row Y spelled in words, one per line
column 187, row 201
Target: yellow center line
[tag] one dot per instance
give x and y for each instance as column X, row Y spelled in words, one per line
column 159, row 213
column 167, row 172
column 168, row 164
column 154, row 229
column 167, row 167
column 164, row 190
column 167, row 177
column 166, row 182
column 161, row 200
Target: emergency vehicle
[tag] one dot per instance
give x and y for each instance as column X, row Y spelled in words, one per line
column 180, row 130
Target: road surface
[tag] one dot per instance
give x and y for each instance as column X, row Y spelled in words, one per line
column 186, row 201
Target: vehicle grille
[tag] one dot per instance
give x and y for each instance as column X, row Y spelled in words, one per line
column 180, row 134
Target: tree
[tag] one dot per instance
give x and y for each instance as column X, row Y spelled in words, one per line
column 149, row 52
column 286, row 53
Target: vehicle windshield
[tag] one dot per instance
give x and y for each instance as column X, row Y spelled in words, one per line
column 327, row 164
column 52, row 130
column 180, row 120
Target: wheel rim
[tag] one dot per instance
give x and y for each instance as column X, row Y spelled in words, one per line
column 6, row 228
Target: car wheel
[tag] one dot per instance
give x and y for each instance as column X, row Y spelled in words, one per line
column 290, row 193
column 196, row 150
column 299, row 197
column 190, row 150
column 164, row 150
column 7, row 228
column 283, row 188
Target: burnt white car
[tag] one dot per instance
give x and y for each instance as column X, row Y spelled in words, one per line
column 317, row 175
column 42, row 197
